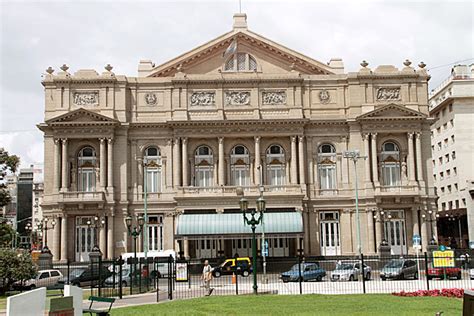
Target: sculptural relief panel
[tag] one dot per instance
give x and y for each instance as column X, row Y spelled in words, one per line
column 86, row 98
column 275, row 97
column 203, row 98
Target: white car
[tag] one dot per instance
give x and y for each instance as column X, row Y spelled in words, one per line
column 349, row 272
column 471, row 274
column 44, row 278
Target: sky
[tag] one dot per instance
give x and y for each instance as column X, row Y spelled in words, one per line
column 90, row 34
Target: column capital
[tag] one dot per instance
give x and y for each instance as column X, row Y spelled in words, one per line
column 418, row 135
column 64, row 141
column 102, row 140
column 110, row 140
column 169, row 141
column 410, row 135
column 176, row 140
column 221, row 140
column 257, row 139
column 184, row 140
column 374, row 135
column 301, row 138
column 365, row 136
column 293, row 139
column 57, row 141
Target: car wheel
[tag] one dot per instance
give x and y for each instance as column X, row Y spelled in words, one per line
column 319, row 278
column 217, row 274
column 245, row 273
column 300, row 279
column 402, row 277
column 383, row 278
column 458, row 276
column 351, row 278
column 429, row 278
column 367, row 277
column 32, row 287
column 285, row 281
column 124, row 283
column 415, row 276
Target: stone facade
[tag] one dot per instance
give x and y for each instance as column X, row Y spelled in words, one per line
column 291, row 116
column 452, row 108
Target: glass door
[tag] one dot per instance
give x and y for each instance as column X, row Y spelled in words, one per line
column 329, row 233
column 395, row 232
column 86, row 238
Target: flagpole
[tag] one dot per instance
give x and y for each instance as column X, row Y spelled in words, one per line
column 240, row 6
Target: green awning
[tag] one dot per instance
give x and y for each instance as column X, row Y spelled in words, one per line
column 233, row 224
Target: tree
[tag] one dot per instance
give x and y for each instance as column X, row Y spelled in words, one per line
column 8, row 163
column 14, row 267
column 6, row 235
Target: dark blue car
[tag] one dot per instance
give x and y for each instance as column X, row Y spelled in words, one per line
column 309, row 271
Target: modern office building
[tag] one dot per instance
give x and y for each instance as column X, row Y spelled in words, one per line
column 24, row 204
column 452, row 134
column 239, row 111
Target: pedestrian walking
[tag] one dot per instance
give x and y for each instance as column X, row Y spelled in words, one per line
column 207, row 277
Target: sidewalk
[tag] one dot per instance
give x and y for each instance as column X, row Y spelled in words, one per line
column 131, row 300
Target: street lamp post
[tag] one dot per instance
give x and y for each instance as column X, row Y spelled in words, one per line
column 145, row 207
column 354, row 155
column 253, row 222
column 29, row 232
column 96, row 224
column 45, row 227
column 263, row 246
column 134, row 231
column 430, row 219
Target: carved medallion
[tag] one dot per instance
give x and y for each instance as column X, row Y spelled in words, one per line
column 151, row 99
column 237, row 98
column 324, row 96
column 86, row 98
column 274, row 97
column 203, row 98
column 388, row 94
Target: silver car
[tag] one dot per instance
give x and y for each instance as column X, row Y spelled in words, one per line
column 399, row 269
column 350, row 272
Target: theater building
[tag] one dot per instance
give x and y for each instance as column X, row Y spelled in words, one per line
column 239, row 111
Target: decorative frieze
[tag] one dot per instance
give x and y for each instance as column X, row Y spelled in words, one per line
column 388, row 94
column 89, row 98
column 274, row 97
column 237, row 98
column 151, row 99
column 203, row 98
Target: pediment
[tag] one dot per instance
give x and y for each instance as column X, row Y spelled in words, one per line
column 81, row 116
column 391, row 112
column 271, row 57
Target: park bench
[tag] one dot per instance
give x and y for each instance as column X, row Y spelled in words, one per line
column 99, row 312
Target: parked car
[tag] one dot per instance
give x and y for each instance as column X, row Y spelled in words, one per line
column 350, row 272
column 471, row 273
column 44, row 278
column 309, row 271
column 399, row 269
column 454, row 272
column 88, row 277
column 114, row 279
column 241, row 266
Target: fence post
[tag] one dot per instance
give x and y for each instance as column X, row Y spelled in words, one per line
column 100, row 276
column 120, row 277
column 426, row 272
column 188, row 274
column 68, row 271
column 237, row 282
column 92, row 281
column 170, row 283
column 362, row 271
column 157, row 280
column 300, row 278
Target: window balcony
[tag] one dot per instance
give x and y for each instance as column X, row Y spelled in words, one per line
column 72, row 197
column 192, row 191
column 398, row 190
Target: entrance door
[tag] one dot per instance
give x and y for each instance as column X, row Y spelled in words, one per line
column 206, row 248
column 329, row 233
column 278, row 247
column 242, row 247
column 395, row 232
column 155, row 233
column 86, row 238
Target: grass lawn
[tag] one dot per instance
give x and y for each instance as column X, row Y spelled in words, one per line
column 370, row 304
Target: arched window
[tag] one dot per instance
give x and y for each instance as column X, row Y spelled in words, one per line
column 390, row 158
column 276, row 165
column 327, row 167
column 86, row 168
column 203, row 167
column 152, row 161
column 240, row 62
column 239, row 166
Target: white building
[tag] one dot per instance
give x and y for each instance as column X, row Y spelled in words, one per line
column 452, row 134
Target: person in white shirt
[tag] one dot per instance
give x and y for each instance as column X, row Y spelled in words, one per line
column 207, row 277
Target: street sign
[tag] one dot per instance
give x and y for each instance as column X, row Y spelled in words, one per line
column 443, row 259
column 416, row 240
column 265, row 249
column 416, row 247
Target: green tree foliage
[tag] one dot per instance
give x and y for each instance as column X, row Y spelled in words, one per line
column 14, row 267
column 8, row 163
column 6, row 235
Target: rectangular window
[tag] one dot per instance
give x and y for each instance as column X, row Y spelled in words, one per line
column 450, row 107
column 391, row 174
column 452, row 139
column 153, row 180
column 451, row 123
column 441, row 175
column 455, row 170
column 327, row 177
column 204, row 176
column 439, row 145
column 276, row 175
column 453, row 155
column 240, row 175
column 440, row 160
column 438, row 130
column 445, row 126
column 446, row 157
column 86, row 180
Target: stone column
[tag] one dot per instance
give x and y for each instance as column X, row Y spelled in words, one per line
column 414, row 220
column 184, row 150
column 110, row 164
column 378, row 229
column 419, row 163
column 102, row 170
column 176, row 164
column 368, row 181
column 169, row 164
column 56, row 241
column 425, row 238
column 309, row 159
column 370, row 231
column 63, row 238
column 257, row 161
column 110, row 237
column 64, row 167
column 375, row 170
column 293, row 167
column 57, row 165
column 301, row 159
column 103, row 237
column 411, row 159
column 221, row 162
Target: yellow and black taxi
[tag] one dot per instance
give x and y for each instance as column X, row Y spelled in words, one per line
column 241, row 266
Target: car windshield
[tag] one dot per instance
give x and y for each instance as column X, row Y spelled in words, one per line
column 395, row 264
column 344, row 266
column 303, row 266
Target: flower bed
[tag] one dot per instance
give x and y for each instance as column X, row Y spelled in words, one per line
column 444, row 292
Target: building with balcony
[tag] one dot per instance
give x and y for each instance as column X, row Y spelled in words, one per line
column 452, row 108
column 239, row 111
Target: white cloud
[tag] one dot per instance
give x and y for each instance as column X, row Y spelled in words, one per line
column 90, row 34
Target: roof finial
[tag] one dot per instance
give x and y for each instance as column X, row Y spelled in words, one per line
column 240, row 21
column 50, row 70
